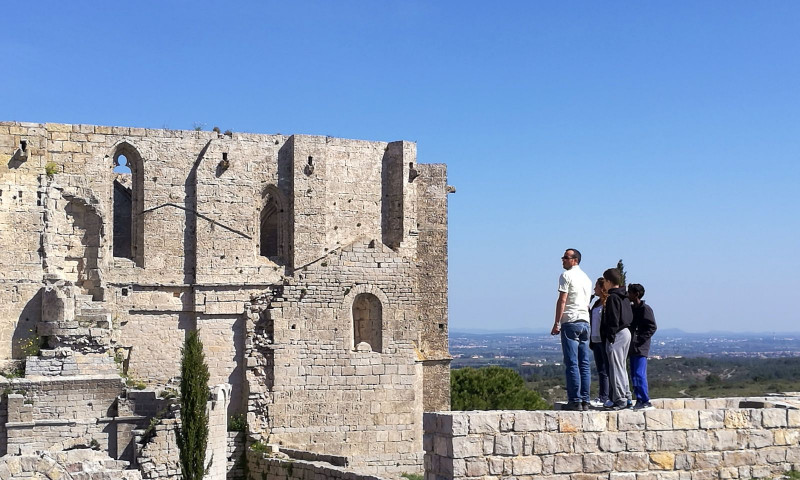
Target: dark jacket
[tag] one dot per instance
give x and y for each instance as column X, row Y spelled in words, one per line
column 617, row 314
column 642, row 329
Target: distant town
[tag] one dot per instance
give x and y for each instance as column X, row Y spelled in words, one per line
column 531, row 349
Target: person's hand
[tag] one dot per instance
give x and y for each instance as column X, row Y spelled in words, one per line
column 556, row 329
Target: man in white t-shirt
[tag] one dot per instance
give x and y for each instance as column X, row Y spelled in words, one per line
column 572, row 321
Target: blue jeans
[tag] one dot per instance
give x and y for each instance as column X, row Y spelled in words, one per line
column 575, row 345
column 639, row 378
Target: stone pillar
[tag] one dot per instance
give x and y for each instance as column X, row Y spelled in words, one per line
column 217, row 447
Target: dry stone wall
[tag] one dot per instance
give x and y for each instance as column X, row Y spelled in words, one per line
column 702, row 440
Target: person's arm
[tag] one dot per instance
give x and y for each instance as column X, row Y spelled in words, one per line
column 561, row 304
column 611, row 315
column 648, row 326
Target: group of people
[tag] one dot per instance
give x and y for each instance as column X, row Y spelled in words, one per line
column 616, row 327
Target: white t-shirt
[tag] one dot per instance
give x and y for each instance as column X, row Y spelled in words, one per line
column 579, row 290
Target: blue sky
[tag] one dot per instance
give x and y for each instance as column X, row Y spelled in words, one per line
column 663, row 133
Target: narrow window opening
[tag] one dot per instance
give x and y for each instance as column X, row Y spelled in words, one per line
column 224, row 156
column 269, row 229
column 128, row 192
column 310, row 161
column 367, row 322
column 23, row 145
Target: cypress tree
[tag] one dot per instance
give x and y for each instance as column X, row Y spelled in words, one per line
column 193, row 433
column 621, row 269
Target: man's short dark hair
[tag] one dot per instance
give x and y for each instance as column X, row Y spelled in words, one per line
column 638, row 289
column 613, row 276
column 575, row 254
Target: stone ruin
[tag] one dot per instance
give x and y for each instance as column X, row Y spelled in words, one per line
column 315, row 271
column 313, row 268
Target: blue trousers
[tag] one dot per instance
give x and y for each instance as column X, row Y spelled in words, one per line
column 575, row 346
column 639, row 378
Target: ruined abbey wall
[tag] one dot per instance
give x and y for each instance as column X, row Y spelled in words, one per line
column 314, row 268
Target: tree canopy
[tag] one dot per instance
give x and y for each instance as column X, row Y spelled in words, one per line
column 492, row 388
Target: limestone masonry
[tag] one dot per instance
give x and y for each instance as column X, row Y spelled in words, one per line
column 314, row 269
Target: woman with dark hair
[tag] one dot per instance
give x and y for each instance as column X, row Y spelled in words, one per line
column 597, row 346
column 615, row 320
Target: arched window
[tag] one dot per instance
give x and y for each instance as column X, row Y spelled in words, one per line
column 128, row 201
column 367, row 321
column 269, row 228
column 274, row 229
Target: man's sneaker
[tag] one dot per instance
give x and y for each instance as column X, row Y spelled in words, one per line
column 608, row 404
column 597, row 403
column 573, row 406
column 644, row 406
column 621, row 406
column 585, row 406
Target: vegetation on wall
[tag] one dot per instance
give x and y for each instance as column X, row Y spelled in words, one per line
column 193, row 432
column 492, row 388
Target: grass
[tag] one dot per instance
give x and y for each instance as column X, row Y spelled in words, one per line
column 412, row 476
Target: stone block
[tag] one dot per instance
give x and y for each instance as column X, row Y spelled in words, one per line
column 630, row 420
column 738, row 418
column 484, row 423
column 621, row 476
column 529, row 421
column 793, row 418
column 585, row 443
column 698, row 440
column 725, row 440
column 684, row 461
column 773, row 418
column 495, row 466
column 685, row 420
column 460, row 424
column 568, row 463
column 595, row 422
column 503, row 444
column 506, row 422
column 738, row 458
column 569, row 422
column 635, row 441
column 770, row 455
column 756, row 438
column 782, row 436
column 550, row 443
column 658, row 419
column 632, row 461
column 613, row 442
column 526, row 465
column 464, row 447
column 598, row 462
column 662, row 461
column 706, row 460
column 712, row 419
column 476, row 467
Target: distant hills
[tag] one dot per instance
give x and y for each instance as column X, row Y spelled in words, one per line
column 665, row 332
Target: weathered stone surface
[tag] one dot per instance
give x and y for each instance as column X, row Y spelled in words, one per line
column 685, row 419
column 631, row 461
column 568, row 463
column 662, row 460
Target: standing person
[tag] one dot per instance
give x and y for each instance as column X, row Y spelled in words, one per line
column 615, row 320
column 642, row 330
column 597, row 346
column 572, row 321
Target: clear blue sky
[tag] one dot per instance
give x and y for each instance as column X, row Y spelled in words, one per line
column 663, row 133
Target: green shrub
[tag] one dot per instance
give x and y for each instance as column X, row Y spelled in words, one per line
column 237, row 423
column 492, row 388
column 51, row 168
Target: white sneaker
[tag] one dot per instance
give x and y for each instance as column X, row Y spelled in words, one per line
column 596, row 402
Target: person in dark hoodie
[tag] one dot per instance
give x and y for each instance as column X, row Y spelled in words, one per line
column 642, row 330
column 615, row 320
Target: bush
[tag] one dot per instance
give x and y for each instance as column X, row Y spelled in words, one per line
column 492, row 388
column 50, row 168
column 237, row 423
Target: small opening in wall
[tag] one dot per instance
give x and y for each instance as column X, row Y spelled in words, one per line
column 311, row 160
column 441, row 327
column 410, row 164
column 20, row 194
column 125, row 292
column 23, row 145
column 224, row 156
column 294, row 326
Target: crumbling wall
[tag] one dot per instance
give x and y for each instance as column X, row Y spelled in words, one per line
column 329, row 395
column 703, row 438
